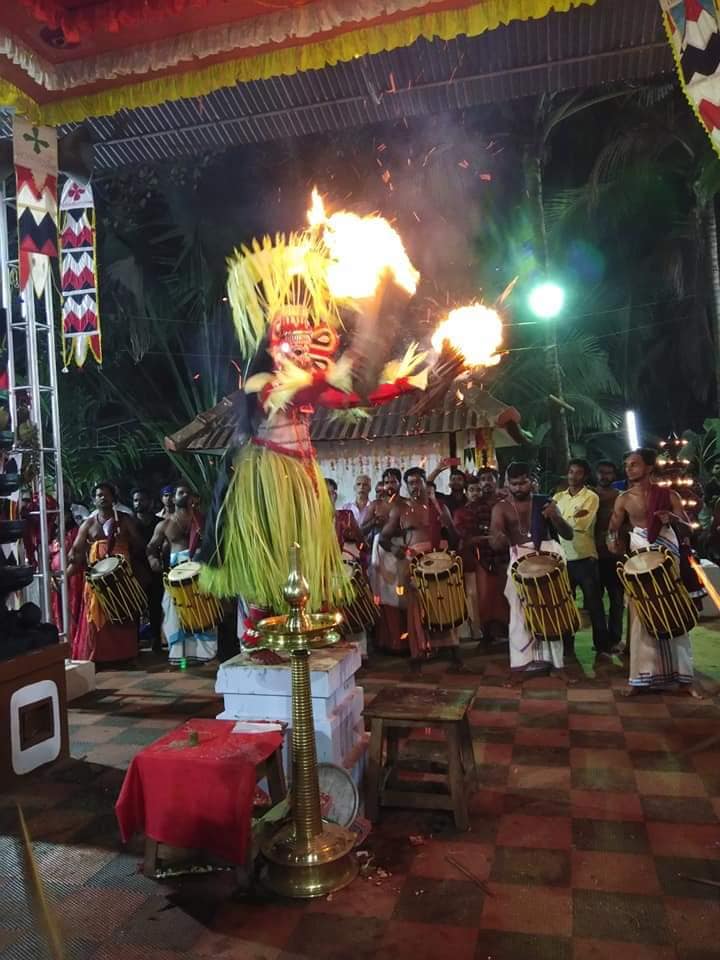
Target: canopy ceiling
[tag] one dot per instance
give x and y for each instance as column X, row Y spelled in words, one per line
column 595, row 42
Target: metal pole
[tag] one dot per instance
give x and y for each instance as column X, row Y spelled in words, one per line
column 36, row 418
column 59, row 484
column 7, row 301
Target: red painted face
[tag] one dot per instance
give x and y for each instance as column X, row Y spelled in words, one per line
column 294, row 339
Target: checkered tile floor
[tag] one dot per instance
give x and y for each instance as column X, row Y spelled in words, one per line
column 596, row 819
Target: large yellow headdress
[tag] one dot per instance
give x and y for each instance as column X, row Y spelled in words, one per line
column 279, row 278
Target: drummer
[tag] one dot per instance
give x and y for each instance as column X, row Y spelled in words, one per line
column 484, row 569
column 419, row 522
column 510, row 527
column 106, row 532
column 391, row 633
column 655, row 514
column 180, row 532
column 353, row 547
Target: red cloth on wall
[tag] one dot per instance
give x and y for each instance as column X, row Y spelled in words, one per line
column 198, row 797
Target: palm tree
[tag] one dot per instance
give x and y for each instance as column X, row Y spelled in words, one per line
column 549, row 110
column 659, row 169
column 591, row 390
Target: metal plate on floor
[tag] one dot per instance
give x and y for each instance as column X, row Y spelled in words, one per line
column 337, row 784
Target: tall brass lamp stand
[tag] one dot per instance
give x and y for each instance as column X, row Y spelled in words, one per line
column 306, row 857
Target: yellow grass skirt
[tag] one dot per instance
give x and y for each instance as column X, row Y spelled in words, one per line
column 272, row 502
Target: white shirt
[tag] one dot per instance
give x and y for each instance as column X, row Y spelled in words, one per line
column 356, row 511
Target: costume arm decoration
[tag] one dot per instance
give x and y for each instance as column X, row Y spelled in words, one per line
column 398, row 377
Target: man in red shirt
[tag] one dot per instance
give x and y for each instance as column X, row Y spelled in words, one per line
column 484, row 569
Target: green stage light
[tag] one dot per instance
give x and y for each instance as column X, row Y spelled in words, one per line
column 546, row 300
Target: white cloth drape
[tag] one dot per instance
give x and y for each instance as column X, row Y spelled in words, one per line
column 343, row 462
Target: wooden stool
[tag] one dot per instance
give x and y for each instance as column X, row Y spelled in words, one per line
column 161, row 856
column 396, row 709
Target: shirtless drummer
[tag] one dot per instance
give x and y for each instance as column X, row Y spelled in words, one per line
column 511, row 527
column 419, row 522
column 654, row 514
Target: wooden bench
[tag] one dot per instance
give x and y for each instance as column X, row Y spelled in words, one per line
column 396, row 710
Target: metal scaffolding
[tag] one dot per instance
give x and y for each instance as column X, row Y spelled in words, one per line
column 33, row 387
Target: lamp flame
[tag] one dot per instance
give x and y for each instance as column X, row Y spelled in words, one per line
column 474, row 331
column 363, row 249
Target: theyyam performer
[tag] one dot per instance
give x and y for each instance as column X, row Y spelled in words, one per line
column 653, row 513
column 287, row 295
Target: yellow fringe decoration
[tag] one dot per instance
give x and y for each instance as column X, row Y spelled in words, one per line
column 273, row 502
column 398, row 369
column 444, row 24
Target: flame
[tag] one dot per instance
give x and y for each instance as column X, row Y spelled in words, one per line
column 363, row 249
column 706, row 581
column 475, row 331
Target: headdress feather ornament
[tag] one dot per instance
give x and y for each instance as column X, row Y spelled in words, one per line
column 271, row 274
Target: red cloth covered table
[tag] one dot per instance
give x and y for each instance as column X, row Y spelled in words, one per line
column 198, row 797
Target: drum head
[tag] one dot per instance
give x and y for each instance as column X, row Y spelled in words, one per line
column 438, row 561
column 101, row 568
column 187, row 570
column 537, row 565
column 645, row 561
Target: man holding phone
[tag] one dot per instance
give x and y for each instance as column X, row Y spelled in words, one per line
column 457, row 497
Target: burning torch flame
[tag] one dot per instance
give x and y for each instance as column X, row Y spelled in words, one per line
column 475, row 331
column 706, row 581
column 363, row 249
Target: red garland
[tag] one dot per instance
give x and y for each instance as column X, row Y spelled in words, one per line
column 109, row 17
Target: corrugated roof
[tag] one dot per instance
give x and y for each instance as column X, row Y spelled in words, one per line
column 612, row 41
column 214, row 429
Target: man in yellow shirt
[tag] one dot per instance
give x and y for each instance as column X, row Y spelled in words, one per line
column 578, row 506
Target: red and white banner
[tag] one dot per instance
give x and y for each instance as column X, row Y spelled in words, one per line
column 36, row 173
column 693, row 28
column 78, row 277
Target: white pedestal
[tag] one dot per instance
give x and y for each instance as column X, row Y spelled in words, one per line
column 255, row 691
column 80, row 678
column 709, row 610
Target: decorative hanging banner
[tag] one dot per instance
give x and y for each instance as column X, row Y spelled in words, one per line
column 78, row 279
column 693, row 29
column 36, row 171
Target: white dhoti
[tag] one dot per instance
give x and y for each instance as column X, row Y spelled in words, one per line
column 656, row 662
column 194, row 646
column 527, row 653
column 389, row 589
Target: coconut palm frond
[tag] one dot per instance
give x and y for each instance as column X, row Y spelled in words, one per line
column 591, row 413
column 654, row 93
column 584, row 361
column 562, row 204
